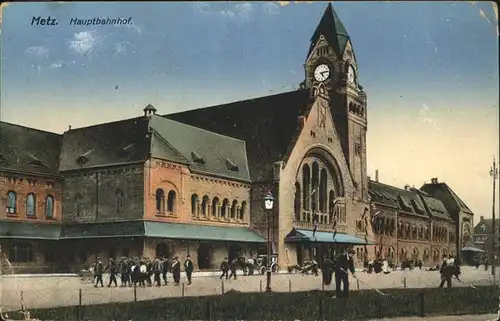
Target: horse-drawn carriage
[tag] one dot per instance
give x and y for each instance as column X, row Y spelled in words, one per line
column 306, row 268
column 249, row 266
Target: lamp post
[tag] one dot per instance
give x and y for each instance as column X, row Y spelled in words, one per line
column 268, row 204
column 494, row 175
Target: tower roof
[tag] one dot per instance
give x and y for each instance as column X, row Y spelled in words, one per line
column 332, row 29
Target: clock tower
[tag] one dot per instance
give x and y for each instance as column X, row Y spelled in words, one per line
column 331, row 61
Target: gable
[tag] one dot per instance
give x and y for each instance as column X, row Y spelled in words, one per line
column 29, row 150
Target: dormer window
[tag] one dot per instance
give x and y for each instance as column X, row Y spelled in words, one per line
column 231, row 165
column 197, row 158
column 417, row 206
column 36, row 163
column 84, row 158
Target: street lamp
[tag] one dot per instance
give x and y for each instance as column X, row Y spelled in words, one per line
column 268, row 204
column 494, row 175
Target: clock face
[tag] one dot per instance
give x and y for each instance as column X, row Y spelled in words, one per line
column 351, row 75
column 322, row 72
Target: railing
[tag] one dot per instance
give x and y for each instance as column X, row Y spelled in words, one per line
column 325, row 220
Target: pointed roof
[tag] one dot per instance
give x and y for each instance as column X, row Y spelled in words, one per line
column 332, row 29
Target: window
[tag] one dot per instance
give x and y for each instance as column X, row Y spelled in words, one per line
column 78, row 204
column 215, row 206
column 204, row 205
column 160, row 201
column 31, row 205
column 234, row 208
column 194, row 205
column 11, row 202
column 119, row 201
column 243, row 210
column 49, row 207
column 171, row 201
column 225, row 205
column 21, row 252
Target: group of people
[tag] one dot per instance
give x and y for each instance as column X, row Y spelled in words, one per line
column 341, row 266
column 136, row 271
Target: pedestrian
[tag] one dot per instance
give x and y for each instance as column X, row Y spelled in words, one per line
column 447, row 273
column 188, row 268
column 327, row 271
column 343, row 265
column 176, row 270
column 165, row 265
column 224, row 267
column 98, row 270
column 113, row 270
column 157, row 269
column 232, row 267
column 149, row 271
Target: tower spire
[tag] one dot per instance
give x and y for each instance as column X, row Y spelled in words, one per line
column 332, row 29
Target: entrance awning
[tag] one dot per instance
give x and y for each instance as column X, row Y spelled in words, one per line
column 29, row 230
column 324, row 237
column 202, row 232
column 472, row 249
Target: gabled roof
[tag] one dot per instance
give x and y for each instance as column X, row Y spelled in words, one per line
column 446, row 195
column 222, row 156
column 28, row 150
column 332, row 29
column 410, row 201
column 120, row 142
column 488, row 226
column 266, row 124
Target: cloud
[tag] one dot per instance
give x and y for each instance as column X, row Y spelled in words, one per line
column 39, row 52
column 271, row 8
column 56, row 65
column 84, row 42
column 241, row 11
column 121, row 47
column 424, row 115
column 133, row 27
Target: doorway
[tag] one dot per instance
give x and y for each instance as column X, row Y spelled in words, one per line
column 204, row 254
column 300, row 254
column 162, row 250
column 234, row 251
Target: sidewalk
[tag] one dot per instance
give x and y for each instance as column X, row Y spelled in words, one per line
column 478, row 317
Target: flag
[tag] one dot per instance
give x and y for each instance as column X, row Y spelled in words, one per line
column 316, row 223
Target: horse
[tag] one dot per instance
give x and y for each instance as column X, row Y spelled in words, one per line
column 246, row 265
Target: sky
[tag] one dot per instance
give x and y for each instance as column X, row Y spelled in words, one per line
column 430, row 71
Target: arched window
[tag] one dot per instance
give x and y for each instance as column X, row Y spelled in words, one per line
column 11, row 202
column 78, row 204
column 31, row 205
column 119, row 201
column 315, row 187
column 323, row 191
column 296, row 202
column 49, row 206
column 204, row 205
column 171, row 201
column 243, row 210
column 160, row 201
column 215, row 206
column 224, row 208
column 21, row 253
column 306, row 183
column 194, row 205
column 234, row 209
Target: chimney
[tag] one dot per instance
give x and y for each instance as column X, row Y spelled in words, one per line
column 69, row 128
column 481, row 218
column 149, row 109
column 407, row 187
column 376, row 175
column 434, row 180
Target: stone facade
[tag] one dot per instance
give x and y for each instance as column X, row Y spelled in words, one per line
column 104, row 194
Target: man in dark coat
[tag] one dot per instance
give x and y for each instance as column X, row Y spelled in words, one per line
column 165, row 266
column 188, row 268
column 98, row 271
column 224, row 267
column 156, row 269
column 327, row 271
column 176, row 270
column 113, row 271
column 232, row 267
column 343, row 265
column 149, row 271
column 124, row 271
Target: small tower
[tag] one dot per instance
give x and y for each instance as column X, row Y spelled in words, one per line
column 149, row 110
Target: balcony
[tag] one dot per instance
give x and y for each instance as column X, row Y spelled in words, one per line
column 325, row 220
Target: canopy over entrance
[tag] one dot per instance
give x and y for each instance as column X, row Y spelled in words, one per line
column 324, row 237
column 472, row 249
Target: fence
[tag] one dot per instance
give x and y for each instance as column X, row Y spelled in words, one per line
column 48, row 292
